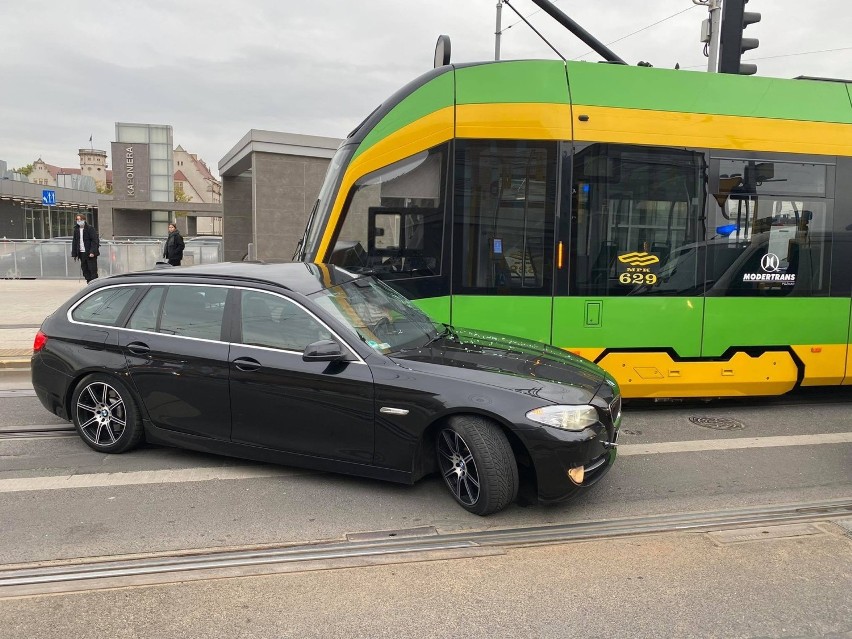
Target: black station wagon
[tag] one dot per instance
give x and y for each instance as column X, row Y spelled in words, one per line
column 312, row 366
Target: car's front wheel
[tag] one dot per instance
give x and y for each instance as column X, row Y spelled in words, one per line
column 477, row 464
column 106, row 415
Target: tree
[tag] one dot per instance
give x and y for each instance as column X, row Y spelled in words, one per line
column 181, row 196
column 105, row 190
column 24, row 170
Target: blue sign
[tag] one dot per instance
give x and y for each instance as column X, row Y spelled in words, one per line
column 48, row 197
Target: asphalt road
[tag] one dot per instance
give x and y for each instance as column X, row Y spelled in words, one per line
column 679, row 458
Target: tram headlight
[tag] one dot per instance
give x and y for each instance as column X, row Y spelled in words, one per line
column 574, row 418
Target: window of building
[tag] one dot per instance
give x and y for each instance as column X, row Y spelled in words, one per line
column 505, row 202
column 274, row 322
column 194, row 311
column 634, row 219
column 393, row 224
column 104, row 307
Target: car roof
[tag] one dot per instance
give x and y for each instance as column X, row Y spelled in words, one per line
column 301, row 277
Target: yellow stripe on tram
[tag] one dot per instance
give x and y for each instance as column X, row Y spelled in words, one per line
column 668, row 128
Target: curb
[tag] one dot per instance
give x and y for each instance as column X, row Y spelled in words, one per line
column 14, row 363
column 16, row 375
column 16, row 368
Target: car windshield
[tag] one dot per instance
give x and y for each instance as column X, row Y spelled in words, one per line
column 380, row 316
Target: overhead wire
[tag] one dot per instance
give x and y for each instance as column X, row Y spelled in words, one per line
column 782, row 55
column 529, row 16
column 674, row 15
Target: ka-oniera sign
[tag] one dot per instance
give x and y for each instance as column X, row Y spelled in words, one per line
column 131, row 175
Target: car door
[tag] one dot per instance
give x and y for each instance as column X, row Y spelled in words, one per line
column 282, row 402
column 178, row 360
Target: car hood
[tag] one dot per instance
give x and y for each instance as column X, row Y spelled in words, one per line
column 503, row 360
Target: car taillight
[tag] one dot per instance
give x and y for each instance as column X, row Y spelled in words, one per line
column 39, row 342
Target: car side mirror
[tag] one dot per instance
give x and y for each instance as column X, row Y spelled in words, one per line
column 325, row 350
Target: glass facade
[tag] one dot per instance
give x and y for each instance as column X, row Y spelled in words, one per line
column 159, row 139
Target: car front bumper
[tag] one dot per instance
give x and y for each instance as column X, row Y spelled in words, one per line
column 554, row 453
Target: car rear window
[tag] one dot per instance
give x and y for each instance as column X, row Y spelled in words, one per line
column 105, row 306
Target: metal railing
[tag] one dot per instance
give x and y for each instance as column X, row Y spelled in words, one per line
column 52, row 258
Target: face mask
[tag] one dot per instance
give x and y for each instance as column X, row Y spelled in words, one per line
column 81, row 222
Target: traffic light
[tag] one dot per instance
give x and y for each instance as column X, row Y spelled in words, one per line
column 732, row 44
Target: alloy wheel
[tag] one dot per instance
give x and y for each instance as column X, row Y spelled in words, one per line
column 458, row 467
column 101, row 414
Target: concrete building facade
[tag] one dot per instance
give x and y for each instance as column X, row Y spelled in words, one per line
column 143, row 190
column 197, row 181
column 270, row 181
column 23, row 216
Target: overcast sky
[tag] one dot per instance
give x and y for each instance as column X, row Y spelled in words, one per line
column 215, row 69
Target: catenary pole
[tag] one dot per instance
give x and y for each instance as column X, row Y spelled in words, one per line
column 498, row 30
column 715, row 8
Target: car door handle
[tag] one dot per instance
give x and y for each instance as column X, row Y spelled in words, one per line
column 246, row 364
column 138, row 347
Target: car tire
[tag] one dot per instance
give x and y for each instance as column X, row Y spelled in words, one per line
column 477, row 464
column 105, row 414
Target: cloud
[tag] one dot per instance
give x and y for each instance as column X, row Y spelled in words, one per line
column 215, row 69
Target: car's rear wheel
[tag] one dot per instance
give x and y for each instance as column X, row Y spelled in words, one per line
column 477, row 464
column 106, row 415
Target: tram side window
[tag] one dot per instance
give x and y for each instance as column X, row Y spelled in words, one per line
column 635, row 222
column 772, row 231
column 393, row 223
column 505, row 203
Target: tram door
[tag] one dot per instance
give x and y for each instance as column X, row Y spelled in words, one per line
column 629, row 264
column 773, row 303
column 503, row 236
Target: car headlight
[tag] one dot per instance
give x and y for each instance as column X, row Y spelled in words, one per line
column 565, row 417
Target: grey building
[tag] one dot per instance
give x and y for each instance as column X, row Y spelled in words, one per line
column 143, row 186
column 270, row 181
column 25, row 215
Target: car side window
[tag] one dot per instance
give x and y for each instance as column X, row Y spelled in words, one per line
column 105, row 306
column 194, row 311
column 144, row 318
column 275, row 322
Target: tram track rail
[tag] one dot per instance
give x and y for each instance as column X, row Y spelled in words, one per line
column 380, row 547
column 40, row 431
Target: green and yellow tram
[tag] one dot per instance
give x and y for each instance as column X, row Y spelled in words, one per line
column 689, row 232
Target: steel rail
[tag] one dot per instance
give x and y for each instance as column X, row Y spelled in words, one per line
column 23, row 432
column 92, row 570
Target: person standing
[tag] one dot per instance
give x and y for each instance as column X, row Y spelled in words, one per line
column 86, row 247
column 173, row 249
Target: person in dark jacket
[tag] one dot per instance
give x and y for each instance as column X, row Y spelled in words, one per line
column 86, row 247
column 173, row 249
